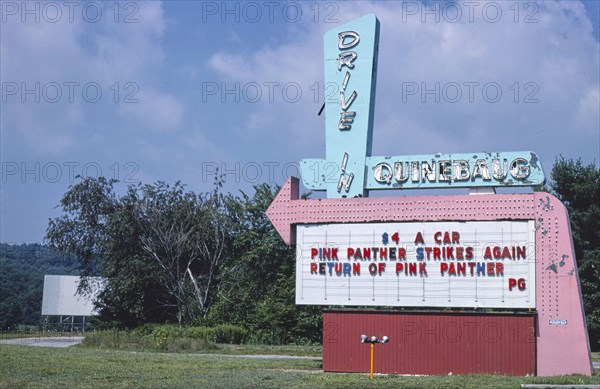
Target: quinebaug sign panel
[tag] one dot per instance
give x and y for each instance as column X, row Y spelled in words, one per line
column 446, row 264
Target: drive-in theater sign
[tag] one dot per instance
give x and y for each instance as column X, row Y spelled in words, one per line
column 477, row 283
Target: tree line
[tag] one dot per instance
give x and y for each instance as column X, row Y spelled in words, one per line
column 22, row 270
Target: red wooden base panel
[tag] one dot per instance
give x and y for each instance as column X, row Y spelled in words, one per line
column 431, row 342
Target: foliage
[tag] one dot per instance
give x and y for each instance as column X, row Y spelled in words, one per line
column 578, row 187
column 81, row 231
column 187, row 236
column 168, row 337
column 222, row 339
column 22, row 270
column 260, row 291
column 589, row 274
column 161, row 248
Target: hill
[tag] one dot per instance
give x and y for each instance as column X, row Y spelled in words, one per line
column 22, row 270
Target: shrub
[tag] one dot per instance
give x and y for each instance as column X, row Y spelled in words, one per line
column 146, row 329
column 206, row 334
column 228, row 333
column 160, row 337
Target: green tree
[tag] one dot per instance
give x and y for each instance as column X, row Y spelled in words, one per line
column 187, row 236
column 578, row 187
column 81, row 230
column 260, row 294
column 132, row 294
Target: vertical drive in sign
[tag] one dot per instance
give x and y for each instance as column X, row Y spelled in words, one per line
column 350, row 74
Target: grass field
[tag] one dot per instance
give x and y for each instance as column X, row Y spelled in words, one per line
column 84, row 367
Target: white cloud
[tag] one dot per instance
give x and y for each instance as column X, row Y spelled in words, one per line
column 124, row 50
column 105, row 53
column 158, row 111
column 588, row 117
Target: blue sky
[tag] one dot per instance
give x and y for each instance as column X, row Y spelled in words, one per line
column 147, row 91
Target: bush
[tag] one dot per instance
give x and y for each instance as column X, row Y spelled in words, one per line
column 145, row 330
column 206, row 334
column 223, row 333
column 228, row 333
column 160, row 337
column 117, row 339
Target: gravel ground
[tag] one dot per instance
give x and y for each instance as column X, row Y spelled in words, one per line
column 45, row 342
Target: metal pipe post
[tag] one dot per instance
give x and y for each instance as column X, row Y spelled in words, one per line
column 372, row 360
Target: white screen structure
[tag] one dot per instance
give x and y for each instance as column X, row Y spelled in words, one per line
column 60, row 297
column 487, row 264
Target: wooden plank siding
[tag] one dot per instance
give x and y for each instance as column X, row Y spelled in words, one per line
column 431, row 343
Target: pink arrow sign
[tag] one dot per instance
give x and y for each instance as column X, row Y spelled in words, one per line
column 287, row 210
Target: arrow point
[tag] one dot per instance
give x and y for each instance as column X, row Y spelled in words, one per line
column 282, row 213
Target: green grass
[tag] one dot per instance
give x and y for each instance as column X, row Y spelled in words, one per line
column 132, row 341
column 86, row 367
